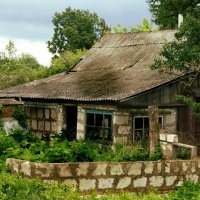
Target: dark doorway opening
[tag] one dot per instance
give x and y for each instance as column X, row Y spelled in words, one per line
column 71, row 117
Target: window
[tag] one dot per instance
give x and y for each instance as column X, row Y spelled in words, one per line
column 141, row 127
column 98, row 125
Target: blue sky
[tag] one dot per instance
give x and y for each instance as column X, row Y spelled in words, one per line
column 28, row 22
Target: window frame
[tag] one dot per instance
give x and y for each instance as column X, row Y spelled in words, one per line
column 143, row 129
column 102, row 127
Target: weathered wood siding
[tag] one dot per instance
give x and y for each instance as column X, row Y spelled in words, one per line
column 162, row 96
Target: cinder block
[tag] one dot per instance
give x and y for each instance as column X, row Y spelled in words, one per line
column 156, row 181
column 87, row 184
column 105, row 183
column 135, row 169
column 116, row 169
column 170, row 180
column 64, row 170
column 124, row 183
column 172, row 138
column 100, row 170
column 140, row 182
column 26, row 168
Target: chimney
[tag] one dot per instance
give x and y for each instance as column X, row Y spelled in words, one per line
column 180, row 20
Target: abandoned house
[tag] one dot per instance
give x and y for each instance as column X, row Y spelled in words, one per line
column 107, row 94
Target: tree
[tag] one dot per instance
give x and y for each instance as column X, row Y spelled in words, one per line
column 182, row 57
column 165, row 12
column 146, row 26
column 75, row 29
column 65, row 62
column 10, row 50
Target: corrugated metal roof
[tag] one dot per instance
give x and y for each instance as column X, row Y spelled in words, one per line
column 115, row 68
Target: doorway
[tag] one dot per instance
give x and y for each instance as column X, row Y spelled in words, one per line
column 71, row 119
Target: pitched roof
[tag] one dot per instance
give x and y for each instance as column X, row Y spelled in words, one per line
column 115, row 68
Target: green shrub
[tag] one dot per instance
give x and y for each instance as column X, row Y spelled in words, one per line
column 19, row 115
column 188, row 191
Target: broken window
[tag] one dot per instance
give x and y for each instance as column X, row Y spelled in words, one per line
column 99, row 125
column 141, row 127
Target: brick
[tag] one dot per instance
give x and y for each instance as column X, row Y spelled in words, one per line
column 135, row 169
column 47, row 126
column 53, row 126
column 140, row 182
column 64, row 171
column 87, row 184
column 53, row 114
column 148, row 169
column 106, row 183
column 170, row 180
column 26, row 168
column 100, row 170
column 124, row 183
column 185, row 166
column 40, row 113
column 44, row 170
column 70, row 182
column 124, row 130
column 34, row 125
column 41, row 125
column 121, row 119
column 172, row 138
column 156, row 181
column 34, row 113
column 116, row 169
column 82, row 169
column 47, row 113
column 163, row 137
column 192, row 177
column 81, row 116
column 167, row 168
column 27, row 112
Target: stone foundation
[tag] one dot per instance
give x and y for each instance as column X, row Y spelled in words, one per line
column 105, row 176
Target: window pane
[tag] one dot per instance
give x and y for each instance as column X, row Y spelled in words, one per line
column 107, row 121
column 90, row 119
column 139, row 123
column 146, row 123
column 99, row 120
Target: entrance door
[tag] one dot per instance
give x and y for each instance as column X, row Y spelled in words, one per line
column 71, row 117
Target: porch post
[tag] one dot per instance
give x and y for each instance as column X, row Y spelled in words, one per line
column 153, row 127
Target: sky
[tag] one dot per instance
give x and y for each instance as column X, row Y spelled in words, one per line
column 28, row 22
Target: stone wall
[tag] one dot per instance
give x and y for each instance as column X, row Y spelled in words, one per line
column 105, row 176
column 43, row 118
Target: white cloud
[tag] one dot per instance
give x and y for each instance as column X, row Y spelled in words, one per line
column 37, row 49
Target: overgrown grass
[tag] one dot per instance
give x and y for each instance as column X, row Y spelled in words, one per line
column 23, row 145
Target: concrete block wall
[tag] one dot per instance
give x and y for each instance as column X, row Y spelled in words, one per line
column 170, row 120
column 44, row 118
column 81, row 121
column 122, row 127
column 105, row 176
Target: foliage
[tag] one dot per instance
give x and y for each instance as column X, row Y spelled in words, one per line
column 146, row 26
column 15, row 70
column 191, row 103
column 181, row 56
column 157, row 154
column 75, row 29
column 165, row 12
column 65, row 61
column 20, row 116
column 16, row 187
column 189, row 190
